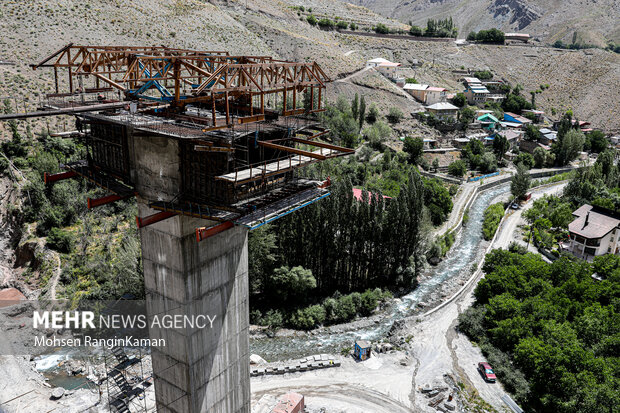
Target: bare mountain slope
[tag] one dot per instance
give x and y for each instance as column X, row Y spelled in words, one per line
column 584, row 81
column 594, row 21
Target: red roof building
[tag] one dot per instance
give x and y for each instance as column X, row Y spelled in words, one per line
column 357, row 193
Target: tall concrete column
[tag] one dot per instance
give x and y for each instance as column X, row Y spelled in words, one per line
column 199, row 369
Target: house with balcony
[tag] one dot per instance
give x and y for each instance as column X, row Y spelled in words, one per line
column 435, row 95
column 593, row 233
column 444, row 111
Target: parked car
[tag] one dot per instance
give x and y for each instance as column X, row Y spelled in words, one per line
column 487, row 372
column 514, row 205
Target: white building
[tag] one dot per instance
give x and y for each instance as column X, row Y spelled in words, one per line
column 376, row 62
column 594, row 232
column 443, row 110
column 389, row 70
column 435, row 95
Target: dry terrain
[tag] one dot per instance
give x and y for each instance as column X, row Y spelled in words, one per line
column 585, row 81
column 593, row 21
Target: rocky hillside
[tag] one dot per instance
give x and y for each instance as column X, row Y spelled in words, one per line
column 582, row 80
column 593, row 21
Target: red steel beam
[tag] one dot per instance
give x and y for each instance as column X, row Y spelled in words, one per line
column 204, row 232
column 152, row 219
column 49, row 178
column 93, row 203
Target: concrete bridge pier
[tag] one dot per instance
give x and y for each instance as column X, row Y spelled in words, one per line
column 199, row 369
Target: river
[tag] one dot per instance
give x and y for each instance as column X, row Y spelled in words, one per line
column 460, row 258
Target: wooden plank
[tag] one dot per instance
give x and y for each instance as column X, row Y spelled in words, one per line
column 292, row 150
column 323, row 145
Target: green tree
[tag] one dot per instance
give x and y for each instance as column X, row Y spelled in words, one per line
column 355, row 106
column 435, row 164
column 414, row 147
column 568, row 147
column 373, row 114
column 292, row 284
column 488, row 163
column 500, row 146
column 377, row 134
column 467, row 114
column 520, row 182
column 457, row 168
column 362, row 112
column 598, row 141
column 60, row 240
column 439, row 202
column 459, row 100
column 540, row 157
column 415, row 31
column 262, row 253
column 525, row 159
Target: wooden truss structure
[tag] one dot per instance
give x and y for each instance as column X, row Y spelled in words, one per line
column 242, row 126
column 234, row 86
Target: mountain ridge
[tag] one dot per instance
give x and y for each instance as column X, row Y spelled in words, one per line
column 594, row 21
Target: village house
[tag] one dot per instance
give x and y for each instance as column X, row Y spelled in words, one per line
column 489, row 121
column 529, row 146
column 512, row 136
column 548, row 137
column 514, row 118
column 476, row 94
column 416, row 90
column 389, row 70
column 435, row 95
column 376, row 62
column 594, row 232
column 443, row 110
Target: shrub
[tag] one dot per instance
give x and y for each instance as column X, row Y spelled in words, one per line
column 352, row 26
column 272, row 319
column 381, row 28
column 492, row 216
column 326, row 24
column 369, row 301
column 416, row 31
column 308, row 318
column 342, row 25
column 60, row 240
column 395, row 115
column 483, row 75
column 345, row 309
column 312, row 20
